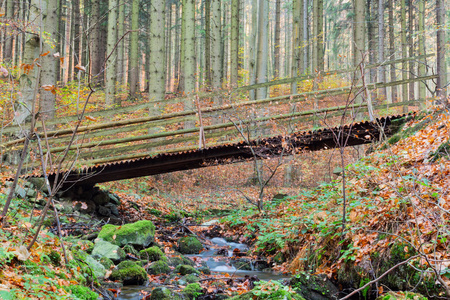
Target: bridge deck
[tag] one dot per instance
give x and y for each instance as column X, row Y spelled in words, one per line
column 356, row 134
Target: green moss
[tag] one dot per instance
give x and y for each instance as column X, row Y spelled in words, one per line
column 163, row 293
column 154, row 212
column 82, row 292
column 106, row 262
column 129, row 273
column 84, row 245
column 191, row 278
column 189, row 245
column 151, row 254
column 186, row 269
column 394, row 139
column 55, row 258
column 180, row 259
column 173, row 217
column 140, row 233
column 158, row 267
column 193, row 290
column 442, row 151
column 130, row 249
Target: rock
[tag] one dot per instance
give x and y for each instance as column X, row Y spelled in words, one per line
column 96, row 267
column 314, row 287
column 179, row 259
column 113, row 208
column 106, row 262
column 158, row 267
column 337, row 171
column 277, row 198
column 89, row 207
column 192, row 291
column 191, row 278
column 205, row 270
column 211, row 222
column 104, row 211
column 163, row 293
column 113, row 199
column 33, row 200
column 31, row 193
column 186, row 269
column 39, row 183
column 103, row 248
column 129, row 273
column 402, row 296
column 243, row 265
column 151, row 254
column 129, row 249
column 20, row 192
column 101, row 198
column 189, row 245
column 140, row 234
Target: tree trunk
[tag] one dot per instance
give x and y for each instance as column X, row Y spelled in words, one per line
column 49, row 63
column 263, row 41
column 296, row 42
column 177, row 46
column 234, row 43
column 7, row 51
column 421, row 66
column 168, row 54
column 441, row 52
column 225, row 43
column 382, row 69
column 181, row 75
column 318, row 52
column 111, row 52
column 189, row 43
column 359, row 45
column 253, row 47
column 208, row 43
column 133, row 60
column 305, row 46
column 371, row 33
column 95, row 44
column 277, row 41
column 404, row 53
column 216, row 44
column 392, row 51
column 411, row 50
column 157, row 75
column 121, row 45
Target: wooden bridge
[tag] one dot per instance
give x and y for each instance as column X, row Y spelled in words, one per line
column 210, row 128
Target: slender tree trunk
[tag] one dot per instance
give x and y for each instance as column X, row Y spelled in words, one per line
column 181, row 76
column 305, row 46
column 411, row 49
column 208, row 42
column 121, row 45
column 392, row 50
column 7, row 52
column 95, row 44
column 253, row 47
column 234, row 44
column 169, row 62
column 318, row 52
column 157, row 76
column 189, row 42
column 261, row 61
column 216, row 44
column 49, row 63
column 296, row 42
column 381, row 44
column 133, row 61
column 441, row 52
column 404, row 53
column 358, row 35
column 111, row 52
column 177, row 46
column 421, row 66
column 277, row 41
column 225, row 42
column 371, row 33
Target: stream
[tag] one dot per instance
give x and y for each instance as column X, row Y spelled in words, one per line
column 218, row 264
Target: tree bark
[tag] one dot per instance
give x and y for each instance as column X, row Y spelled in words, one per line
column 181, row 75
column 263, row 45
column 359, row 45
column 133, row 60
column 411, row 46
column 253, row 47
column 296, row 42
column 111, row 52
column 393, row 75
column 189, row 42
column 404, row 52
column 234, row 43
column 318, row 52
column 381, row 44
column 277, row 41
column 95, row 44
column 8, row 49
column 441, row 52
column 157, row 76
column 422, row 67
column 216, row 44
column 208, row 76
column 121, row 46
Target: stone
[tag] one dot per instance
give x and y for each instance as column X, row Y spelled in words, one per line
column 31, row 193
column 113, row 199
column 106, row 262
column 96, row 267
column 158, row 267
column 189, row 245
column 186, row 269
column 113, row 208
column 191, row 278
column 101, row 198
column 205, row 270
column 20, row 192
column 103, row 248
column 89, row 207
column 179, row 259
column 129, row 249
column 104, row 211
column 151, row 254
column 314, row 287
column 140, row 234
column 163, row 293
column 39, row 183
column 192, row 291
column 129, row 273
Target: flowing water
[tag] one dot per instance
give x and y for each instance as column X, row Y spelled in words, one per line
column 218, row 264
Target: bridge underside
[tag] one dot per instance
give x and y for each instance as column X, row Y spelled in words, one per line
column 350, row 135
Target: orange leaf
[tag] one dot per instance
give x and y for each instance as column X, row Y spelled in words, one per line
column 45, row 54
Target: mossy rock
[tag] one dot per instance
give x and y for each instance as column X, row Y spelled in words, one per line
column 129, row 273
column 205, row 270
column 105, row 249
column 158, row 267
column 151, row 254
column 173, row 217
column 251, row 296
column 130, row 249
column 163, row 293
column 242, row 265
column 192, row 291
column 191, row 278
column 189, row 245
column 402, row 296
column 82, row 292
column 139, row 234
column 186, row 269
column 106, row 262
column 314, row 287
column 154, row 212
column 180, row 259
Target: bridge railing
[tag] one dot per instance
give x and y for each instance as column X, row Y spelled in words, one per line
column 137, row 137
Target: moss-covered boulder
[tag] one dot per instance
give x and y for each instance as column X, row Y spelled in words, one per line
column 163, row 293
column 189, row 245
column 314, row 287
column 158, row 267
column 90, row 265
column 140, row 234
column 180, row 259
column 106, row 262
column 402, row 296
column 192, row 291
column 105, row 249
column 129, row 249
column 191, row 278
column 151, row 254
column 129, row 273
column 186, row 269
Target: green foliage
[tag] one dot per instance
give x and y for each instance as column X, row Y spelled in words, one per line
column 151, row 254
column 82, row 293
column 273, row 290
column 158, row 267
column 193, row 290
column 55, row 257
